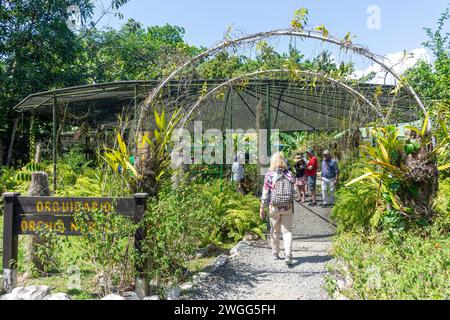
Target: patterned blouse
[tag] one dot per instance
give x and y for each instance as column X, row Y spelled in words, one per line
column 268, row 184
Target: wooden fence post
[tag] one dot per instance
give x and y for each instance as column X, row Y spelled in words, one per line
column 141, row 283
column 10, row 243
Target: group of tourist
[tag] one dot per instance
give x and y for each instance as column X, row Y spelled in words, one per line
column 306, row 177
column 278, row 193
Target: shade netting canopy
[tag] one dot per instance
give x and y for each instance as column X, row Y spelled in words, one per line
column 289, row 105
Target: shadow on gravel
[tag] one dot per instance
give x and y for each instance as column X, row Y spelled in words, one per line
column 232, row 283
column 326, row 236
column 310, row 259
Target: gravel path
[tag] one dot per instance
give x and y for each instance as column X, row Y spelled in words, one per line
column 254, row 275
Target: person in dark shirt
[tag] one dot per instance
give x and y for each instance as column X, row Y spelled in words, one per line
column 300, row 177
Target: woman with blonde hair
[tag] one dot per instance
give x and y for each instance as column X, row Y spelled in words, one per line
column 278, row 195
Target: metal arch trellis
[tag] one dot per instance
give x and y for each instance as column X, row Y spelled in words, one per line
column 312, row 34
column 219, row 87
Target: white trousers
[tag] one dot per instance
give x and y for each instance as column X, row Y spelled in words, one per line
column 328, row 188
column 281, row 223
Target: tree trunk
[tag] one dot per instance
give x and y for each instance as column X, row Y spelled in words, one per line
column 422, row 177
column 38, row 187
column 37, row 155
column 11, row 144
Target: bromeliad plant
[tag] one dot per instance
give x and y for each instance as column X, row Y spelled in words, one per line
column 153, row 154
column 121, row 162
column 405, row 173
column 142, row 172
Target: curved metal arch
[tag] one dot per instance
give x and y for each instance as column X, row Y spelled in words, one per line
column 216, row 89
column 312, row 34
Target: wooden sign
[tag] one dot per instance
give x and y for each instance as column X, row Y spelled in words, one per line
column 57, row 213
column 24, row 215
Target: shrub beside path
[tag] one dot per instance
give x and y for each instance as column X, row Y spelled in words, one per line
column 254, row 275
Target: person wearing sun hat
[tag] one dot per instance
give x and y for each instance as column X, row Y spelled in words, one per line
column 300, row 177
column 311, row 174
column 330, row 174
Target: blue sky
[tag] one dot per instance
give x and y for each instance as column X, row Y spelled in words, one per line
column 402, row 21
column 401, row 24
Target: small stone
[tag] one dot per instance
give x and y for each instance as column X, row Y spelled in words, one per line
column 250, row 236
column 220, row 261
column 200, row 253
column 341, row 284
column 173, row 293
column 199, row 277
column 141, row 287
column 113, row 296
column 187, row 286
column 30, row 293
column 238, row 247
column 1, row 285
column 131, row 296
column 349, row 281
column 59, row 296
column 151, row 298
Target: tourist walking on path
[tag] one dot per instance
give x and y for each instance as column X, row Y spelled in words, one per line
column 278, row 195
column 238, row 173
column 330, row 174
column 311, row 174
column 300, row 177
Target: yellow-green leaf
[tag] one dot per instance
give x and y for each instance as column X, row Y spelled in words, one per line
column 425, row 124
column 158, row 119
column 443, row 167
column 364, row 176
column 122, row 145
column 132, row 168
column 384, row 152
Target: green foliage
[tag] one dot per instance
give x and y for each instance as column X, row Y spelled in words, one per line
column 412, row 265
column 403, row 172
column 431, row 81
column 121, row 163
column 354, row 207
column 442, row 201
column 175, row 225
column 291, row 142
column 29, row 31
column 300, row 19
column 107, row 241
column 192, row 216
column 76, row 158
column 134, row 52
column 47, row 251
column 242, row 217
column 24, row 175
